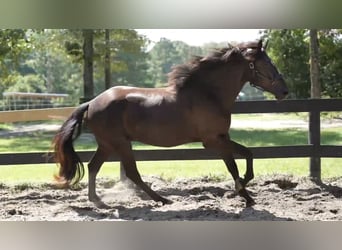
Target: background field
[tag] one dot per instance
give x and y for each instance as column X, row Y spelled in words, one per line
column 214, row 169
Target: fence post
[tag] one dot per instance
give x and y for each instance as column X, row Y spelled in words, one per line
column 315, row 141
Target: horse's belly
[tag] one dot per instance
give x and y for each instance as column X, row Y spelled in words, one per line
column 163, row 136
column 160, row 131
column 163, row 125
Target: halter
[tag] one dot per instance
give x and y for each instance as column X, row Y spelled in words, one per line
column 255, row 72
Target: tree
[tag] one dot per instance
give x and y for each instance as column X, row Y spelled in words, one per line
column 107, row 70
column 44, row 66
column 290, row 50
column 52, row 60
column 128, row 58
column 14, row 47
column 120, row 52
column 88, row 52
column 330, row 42
column 51, row 64
column 165, row 54
column 314, row 65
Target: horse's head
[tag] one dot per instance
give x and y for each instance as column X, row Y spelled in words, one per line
column 263, row 73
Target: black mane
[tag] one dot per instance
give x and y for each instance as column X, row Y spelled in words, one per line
column 183, row 74
column 192, row 72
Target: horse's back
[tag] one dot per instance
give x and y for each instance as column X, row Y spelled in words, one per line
column 150, row 115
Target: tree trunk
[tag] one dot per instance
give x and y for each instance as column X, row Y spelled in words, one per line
column 88, row 65
column 108, row 78
column 314, row 65
column 314, row 117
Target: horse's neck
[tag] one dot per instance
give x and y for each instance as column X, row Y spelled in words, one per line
column 229, row 86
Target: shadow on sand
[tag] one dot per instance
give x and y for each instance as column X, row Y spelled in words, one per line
column 147, row 213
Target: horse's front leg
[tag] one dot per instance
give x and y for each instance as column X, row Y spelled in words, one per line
column 226, row 147
column 240, row 186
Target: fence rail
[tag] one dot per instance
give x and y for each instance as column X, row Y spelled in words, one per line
column 35, row 114
column 24, row 100
column 313, row 149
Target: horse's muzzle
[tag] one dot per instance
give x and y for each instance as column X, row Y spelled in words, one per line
column 281, row 89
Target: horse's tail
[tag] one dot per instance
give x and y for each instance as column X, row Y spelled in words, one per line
column 71, row 169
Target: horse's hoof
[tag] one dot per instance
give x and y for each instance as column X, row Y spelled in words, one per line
column 249, row 200
column 165, row 201
column 100, row 204
column 250, row 203
column 243, row 182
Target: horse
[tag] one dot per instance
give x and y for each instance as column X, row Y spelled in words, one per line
column 194, row 106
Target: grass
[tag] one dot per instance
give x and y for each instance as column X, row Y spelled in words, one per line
column 36, row 141
column 169, row 170
column 270, row 116
column 40, row 141
column 5, row 126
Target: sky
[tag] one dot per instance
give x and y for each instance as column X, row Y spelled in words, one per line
column 197, row 37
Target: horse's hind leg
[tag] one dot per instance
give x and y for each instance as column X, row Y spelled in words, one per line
column 93, row 168
column 246, row 153
column 130, row 167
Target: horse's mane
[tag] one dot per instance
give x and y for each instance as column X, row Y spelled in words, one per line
column 186, row 74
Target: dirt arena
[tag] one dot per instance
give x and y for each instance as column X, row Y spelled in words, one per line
column 279, row 198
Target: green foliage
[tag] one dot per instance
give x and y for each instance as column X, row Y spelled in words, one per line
column 129, row 58
column 46, row 67
column 28, row 83
column 289, row 50
column 52, row 60
column 14, row 46
column 166, row 54
column 331, row 62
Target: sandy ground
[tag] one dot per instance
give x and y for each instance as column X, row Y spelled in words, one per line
column 279, row 198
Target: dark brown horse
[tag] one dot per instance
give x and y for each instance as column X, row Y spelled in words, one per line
column 195, row 106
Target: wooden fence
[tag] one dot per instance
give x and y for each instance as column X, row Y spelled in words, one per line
column 314, row 150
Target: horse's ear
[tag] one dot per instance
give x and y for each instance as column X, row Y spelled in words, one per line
column 250, row 53
column 265, row 45
column 260, row 44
